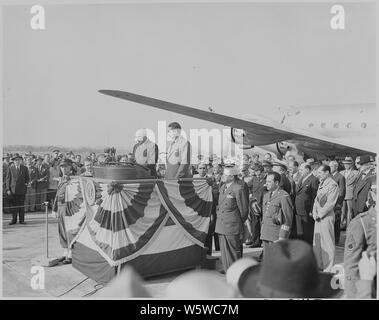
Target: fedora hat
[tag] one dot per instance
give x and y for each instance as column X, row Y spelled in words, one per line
column 65, row 162
column 348, row 160
column 288, row 270
column 279, row 163
column 364, row 159
column 16, row 156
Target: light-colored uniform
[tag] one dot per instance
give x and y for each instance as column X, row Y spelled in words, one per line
column 324, row 239
column 178, row 159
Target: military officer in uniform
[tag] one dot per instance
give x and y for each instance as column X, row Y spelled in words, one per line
column 362, row 185
column 145, row 152
column 59, row 208
column 178, row 154
column 231, row 215
column 360, row 237
column 277, row 212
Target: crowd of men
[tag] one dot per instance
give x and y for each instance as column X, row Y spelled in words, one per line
column 256, row 203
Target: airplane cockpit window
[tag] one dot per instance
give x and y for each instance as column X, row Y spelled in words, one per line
column 336, row 125
column 310, row 125
column 349, row 125
column 364, row 125
column 323, row 125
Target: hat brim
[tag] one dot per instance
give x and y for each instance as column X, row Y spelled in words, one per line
column 18, row 157
column 248, row 282
column 249, row 286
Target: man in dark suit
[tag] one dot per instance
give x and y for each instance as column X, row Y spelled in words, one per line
column 306, row 192
column 362, row 185
column 341, row 181
column 231, row 215
column 257, row 188
column 281, row 168
column 178, row 154
column 16, row 185
column 42, row 183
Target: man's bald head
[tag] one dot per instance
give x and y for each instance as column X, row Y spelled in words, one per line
column 141, row 135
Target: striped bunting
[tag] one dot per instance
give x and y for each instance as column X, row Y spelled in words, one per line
column 124, row 220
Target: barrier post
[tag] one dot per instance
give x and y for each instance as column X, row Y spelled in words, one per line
column 45, row 261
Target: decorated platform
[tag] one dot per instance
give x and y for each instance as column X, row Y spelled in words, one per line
column 157, row 226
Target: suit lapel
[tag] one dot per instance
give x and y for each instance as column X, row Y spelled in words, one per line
column 303, row 183
column 225, row 193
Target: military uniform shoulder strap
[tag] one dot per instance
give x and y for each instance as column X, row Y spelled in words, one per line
column 363, row 226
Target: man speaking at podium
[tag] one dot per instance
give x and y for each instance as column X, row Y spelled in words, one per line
column 145, row 152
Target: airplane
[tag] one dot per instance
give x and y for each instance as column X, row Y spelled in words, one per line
column 319, row 132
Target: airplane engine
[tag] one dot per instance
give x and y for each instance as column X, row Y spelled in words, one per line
column 282, row 148
column 239, row 137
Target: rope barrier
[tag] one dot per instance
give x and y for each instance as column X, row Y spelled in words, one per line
column 42, row 204
column 32, row 194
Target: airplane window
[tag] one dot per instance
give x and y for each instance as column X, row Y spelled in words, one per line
column 311, row 125
column 323, row 125
column 364, row 125
column 336, row 125
column 349, row 125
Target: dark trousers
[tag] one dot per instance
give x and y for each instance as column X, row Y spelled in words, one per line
column 305, row 228
column 211, row 233
column 337, row 222
column 17, row 201
column 231, row 249
column 256, row 230
column 6, row 203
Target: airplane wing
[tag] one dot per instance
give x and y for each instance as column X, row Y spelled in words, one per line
column 258, row 134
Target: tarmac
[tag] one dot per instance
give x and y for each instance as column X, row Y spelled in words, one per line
column 24, row 243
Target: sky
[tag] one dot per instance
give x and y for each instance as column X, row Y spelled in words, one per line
column 239, row 59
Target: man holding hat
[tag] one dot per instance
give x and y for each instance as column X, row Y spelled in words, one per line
column 350, row 176
column 362, row 185
column 231, row 215
column 66, row 167
column 257, row 188
column 16, row 185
